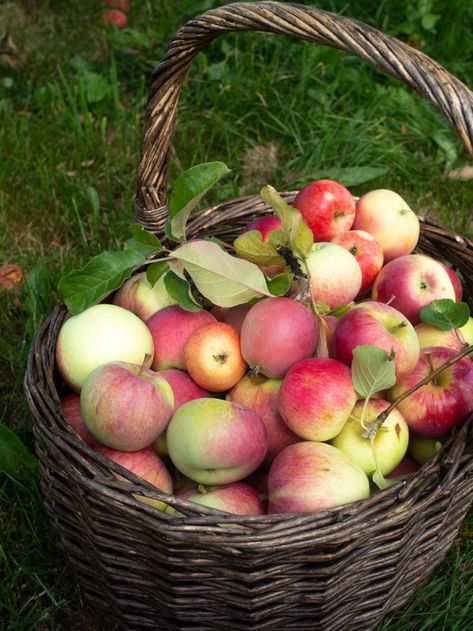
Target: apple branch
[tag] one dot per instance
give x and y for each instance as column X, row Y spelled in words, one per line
column 376, row 423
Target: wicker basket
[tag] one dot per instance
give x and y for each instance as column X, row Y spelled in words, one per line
column 335, row 570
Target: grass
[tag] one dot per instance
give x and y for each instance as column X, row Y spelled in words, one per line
column 276, row 111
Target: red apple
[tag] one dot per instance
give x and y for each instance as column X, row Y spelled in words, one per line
column 317, row 397
column 216, row 442
column 335, row 276
column 410, row 282
column 455, row 279
column 276, row 333
column 213, row 358
column 113, row 17
column 441, row 404
column 146, row 464
column 261, row 395
column 126, row 406
column 71, row 409
column 313, row 476
column 386, row 216
column 379, row 325
column 327, row 207
column 265, row 224
column 170, row 327
column 367, row 252
column 238, row 498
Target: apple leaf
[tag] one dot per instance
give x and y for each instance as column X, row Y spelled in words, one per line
column 372, row 369
column 251, row 247
column 141, row 235
column 15, row 458
column 179, row 289
column 99, row 277
column 224, row 279
column 339, row 311
column 445, row 314
column 188, row 190
column 155, row 271
column 280, row 284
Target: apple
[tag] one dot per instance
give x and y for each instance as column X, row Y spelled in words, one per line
column 114, row 17
column 265, row 225
column 213, row 358
column 232, row 315
column 184, row 389
column 423, row 448
column 170, row 327
column 276, row 333
column 367, row 252
column 144, row 299
column 405, row 467
column 455, row 279
column 70, row 404
column 335, row 276
column 146, row 464
column 380, row 325
column 216, row 442
column 100, row 334
column 390, row 443
column 126, row 406
column 238, row 498
column 443, row 402
column 327, row 207
column 430, row 335
column 261, row 395
column 385, row 215
column 411, row 282
column 317, row 397
column 313, row 476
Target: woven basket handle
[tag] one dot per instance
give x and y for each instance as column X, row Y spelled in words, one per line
column 412, row 67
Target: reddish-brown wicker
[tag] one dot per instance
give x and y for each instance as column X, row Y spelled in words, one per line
column 339, row 569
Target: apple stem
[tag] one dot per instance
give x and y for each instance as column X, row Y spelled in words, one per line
column 375, row 424
column 428, row 356
column 145, row 361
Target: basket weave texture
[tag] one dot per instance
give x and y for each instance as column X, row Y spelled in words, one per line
column 335, row 570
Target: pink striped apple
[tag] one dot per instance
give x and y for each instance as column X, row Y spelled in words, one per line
column 139, row 296
column 238, row 498
column 367, row 252
column 312, row 476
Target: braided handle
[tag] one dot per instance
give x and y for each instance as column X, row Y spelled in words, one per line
column 415, row 69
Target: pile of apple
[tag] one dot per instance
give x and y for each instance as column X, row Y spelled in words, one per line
column 230, row 407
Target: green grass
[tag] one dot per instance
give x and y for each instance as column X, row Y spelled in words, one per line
column 276, row 111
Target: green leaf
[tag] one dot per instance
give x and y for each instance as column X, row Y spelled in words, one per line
column 15, row 458
column 141, row 235
column 339, row 311
column 98, row 278
column 189, row 189
column 179, row 289
column 280, row 284
column 251, row 247
column 382, row 482
column 155, row 271
column 348, row 176
column 372, row 370
column 94, row 200
column 445, row 314
column 96, row 87
column 224, row 279
column 304, row 239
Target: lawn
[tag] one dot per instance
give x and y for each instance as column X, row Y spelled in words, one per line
column 72, row 102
